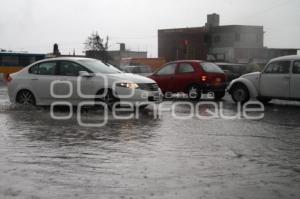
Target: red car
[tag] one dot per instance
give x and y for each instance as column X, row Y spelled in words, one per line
column 192, row 77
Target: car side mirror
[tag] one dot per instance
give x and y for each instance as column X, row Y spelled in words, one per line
column 85, row 74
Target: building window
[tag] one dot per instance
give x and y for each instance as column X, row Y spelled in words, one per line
column 237, row 37
column 217, row 39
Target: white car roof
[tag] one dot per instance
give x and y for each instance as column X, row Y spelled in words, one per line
column 289, row 57
column 67, row 58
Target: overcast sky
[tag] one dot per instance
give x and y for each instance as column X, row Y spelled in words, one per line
column 34, row 25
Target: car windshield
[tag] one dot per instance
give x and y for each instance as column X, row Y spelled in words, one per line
column 211, row 67
column 98, row 66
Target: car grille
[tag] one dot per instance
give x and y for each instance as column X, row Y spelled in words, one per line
column 148, row 87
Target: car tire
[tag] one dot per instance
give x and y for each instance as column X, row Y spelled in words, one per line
column 219, row 95
column 109, row 99
column 142, row 107
column 264, row 100
column 194, row 92
column 25, row 97
column 240, row 93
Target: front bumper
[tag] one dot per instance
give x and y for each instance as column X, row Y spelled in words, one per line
column 138, row 95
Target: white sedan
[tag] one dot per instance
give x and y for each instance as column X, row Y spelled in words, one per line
column 280, row 79
column 75, row 80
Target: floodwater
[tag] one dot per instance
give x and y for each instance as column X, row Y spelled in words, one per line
column 150, row 158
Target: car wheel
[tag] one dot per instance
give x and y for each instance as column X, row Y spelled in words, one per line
column 109, row 99
column 194, row 92
column 264, row 100
column 240, row 93
column 219, row 95
column 25, row 97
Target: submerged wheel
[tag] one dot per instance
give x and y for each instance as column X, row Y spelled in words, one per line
column 109, row 99
column 240, row 93
column 25, row 97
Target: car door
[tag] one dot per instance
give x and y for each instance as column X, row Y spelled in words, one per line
column 185, row 76
column 295, row 80
column 275, row 80
column 68, row 73
column 165, row 77
column 41, row 76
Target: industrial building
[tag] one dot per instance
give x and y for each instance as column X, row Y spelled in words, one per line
column 213, row 42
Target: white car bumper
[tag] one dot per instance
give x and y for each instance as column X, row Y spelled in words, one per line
column 139, row 95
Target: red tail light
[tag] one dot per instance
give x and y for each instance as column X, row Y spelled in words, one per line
column 204, row 78
column 8, row 78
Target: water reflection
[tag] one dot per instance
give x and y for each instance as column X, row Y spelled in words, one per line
column 37, row 125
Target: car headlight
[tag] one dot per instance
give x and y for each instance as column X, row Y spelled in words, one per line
column 128, row 85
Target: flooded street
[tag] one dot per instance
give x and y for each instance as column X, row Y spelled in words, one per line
column 150, row 158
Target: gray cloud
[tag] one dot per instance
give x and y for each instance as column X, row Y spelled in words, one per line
column 34, row 25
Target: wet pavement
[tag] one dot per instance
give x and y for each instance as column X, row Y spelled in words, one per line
column 150, row 158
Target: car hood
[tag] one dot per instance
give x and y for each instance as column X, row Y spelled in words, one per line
column 130, row 77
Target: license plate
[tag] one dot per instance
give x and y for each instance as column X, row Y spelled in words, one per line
column 218, row 80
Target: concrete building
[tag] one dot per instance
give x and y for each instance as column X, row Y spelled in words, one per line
column 118, row 55
column 230, row 43
column 182, row 43
column 226, row 41
column 258, row 55
column 242, row 44
column 115, row 56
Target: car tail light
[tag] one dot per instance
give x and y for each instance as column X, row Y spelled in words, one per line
column 203, row 78
column 8, row 78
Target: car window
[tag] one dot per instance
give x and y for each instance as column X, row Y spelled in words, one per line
column 185, row 68
column 67, row 68
column 296, row 67
column 211, row 67
column 279, row 67
column 167, row 70
column 45, row 68
column 34, row 69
